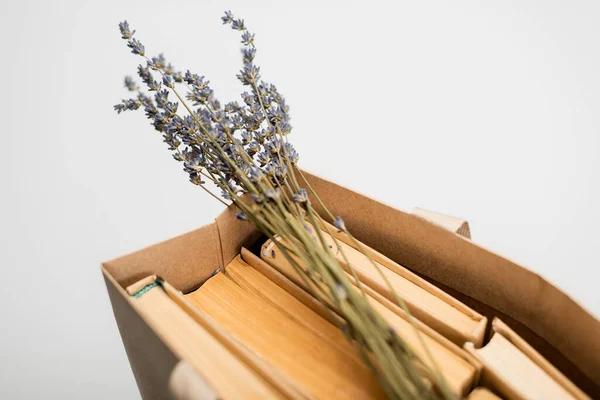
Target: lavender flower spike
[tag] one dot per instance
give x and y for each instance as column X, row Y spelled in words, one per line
column 130, row 84
column 227, row 18
column 301, row 197
column 339, row 224
column 240, row 149
column 136, row 47
column 125, row 32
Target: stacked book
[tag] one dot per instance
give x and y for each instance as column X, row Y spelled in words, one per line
column 253, row 330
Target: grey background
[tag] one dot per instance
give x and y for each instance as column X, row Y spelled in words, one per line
column 483, row 110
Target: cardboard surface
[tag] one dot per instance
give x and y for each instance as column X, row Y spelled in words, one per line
column 234, row 234
column 559, row 328
column 150, row 359
column 184, row 261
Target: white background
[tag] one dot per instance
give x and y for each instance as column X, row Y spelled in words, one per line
column 483, row 110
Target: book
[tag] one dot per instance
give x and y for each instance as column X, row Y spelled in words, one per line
column 246, row 324
column 250, row 331
column 285, row 333
column 481, row 393
column 429, row 304
column 460, row 370
column 515, row 370
column 221, row 368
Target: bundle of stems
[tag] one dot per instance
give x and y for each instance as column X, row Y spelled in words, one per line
column 243, row 151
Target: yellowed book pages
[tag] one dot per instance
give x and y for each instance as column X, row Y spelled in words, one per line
column 219, row 367
column 481, row 393
column 311, row 351
column 286, row 333
column 426, row 302
column 457, row 367
column 516, row 371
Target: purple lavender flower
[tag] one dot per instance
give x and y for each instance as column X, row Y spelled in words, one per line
column 241, row 216
column 227, row 18
column 301, row 197
column 238, row 24
column 248, row 134
column 177, row 77
column 168, row 81
column 291, row 153
column 196, row 179
column 339, row 224
column 130, row 84
column 128, row 104
column 148, row 79
column 125, row 32
column 263, row 159
column 249, row 54
column 158, row 63
column 258, row 198
column 272, row 194
column 253, row 148
column 341, row 292
column 249, row 74
column 248, row 38
column 246, row 137
column 136, row 47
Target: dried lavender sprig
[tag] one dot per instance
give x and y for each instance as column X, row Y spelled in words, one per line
column 270, row 195
column 152, row 88
column 229, row 159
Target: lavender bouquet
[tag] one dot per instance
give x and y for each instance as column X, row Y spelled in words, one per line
column 242, row 149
